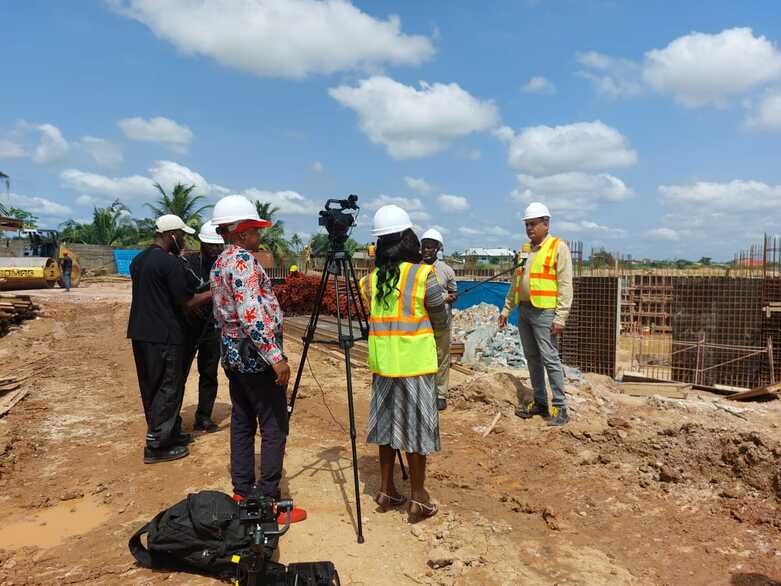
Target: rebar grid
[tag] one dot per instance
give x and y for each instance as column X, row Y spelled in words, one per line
column 589, row 341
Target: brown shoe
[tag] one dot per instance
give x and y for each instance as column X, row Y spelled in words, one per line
column 387, row 502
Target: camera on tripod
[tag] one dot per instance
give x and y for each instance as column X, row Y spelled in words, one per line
column 254, row 566
column 337, row 221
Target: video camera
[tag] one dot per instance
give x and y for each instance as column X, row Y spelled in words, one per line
column 254, row 566
column 337, row 221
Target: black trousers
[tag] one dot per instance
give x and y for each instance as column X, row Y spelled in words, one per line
column 257, row 399
column 160, row 368
column 208, row 350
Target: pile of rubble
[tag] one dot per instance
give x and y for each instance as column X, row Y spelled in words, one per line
column 484, row 343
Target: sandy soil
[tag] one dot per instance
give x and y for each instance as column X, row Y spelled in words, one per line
column 633, row 491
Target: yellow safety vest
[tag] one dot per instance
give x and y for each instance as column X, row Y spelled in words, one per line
column 401, row 340
column 543, row 286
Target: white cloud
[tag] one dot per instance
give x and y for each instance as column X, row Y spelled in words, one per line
column 105, row 153
column 767, row 114
column 663, row 234
column 708, row 69
column 168, row 174
column 94, row 184
column 280, row 38
column 611, row 77
column 496, row 231
column 488, row 232
column 412, row 205
column 316, row 167
column 92, row 201
column 539, row 85
column 453, row 203
column 42, row 207
column 10, row 149
column 53, row 147
column 441, row 229
column 161, row 130
column 473, row 155
column 288, row 202
column 589, row 227
column 414, row 123
column 419, row 185
column 734, row 197
column 583, row 146
column 469, row 231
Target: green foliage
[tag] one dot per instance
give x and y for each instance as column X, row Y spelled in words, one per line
column 29, row 221
column 705, row 261
column 319, row 245
column 601, row 259
column 181, row 203
column 109, row 226
column 273, row 238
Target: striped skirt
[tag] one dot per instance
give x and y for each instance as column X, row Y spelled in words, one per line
column 404, row 414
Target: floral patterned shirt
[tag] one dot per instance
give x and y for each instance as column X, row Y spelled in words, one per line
column 246, row 311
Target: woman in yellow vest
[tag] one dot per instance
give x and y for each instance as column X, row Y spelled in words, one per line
column 406, row 306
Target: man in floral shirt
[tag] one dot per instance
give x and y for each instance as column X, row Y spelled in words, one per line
column 250, row 319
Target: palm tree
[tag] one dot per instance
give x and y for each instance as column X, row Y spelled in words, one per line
column 181, row 203
column 5, row 211
column 109, row 226
column 296, row 243
column 273, row 238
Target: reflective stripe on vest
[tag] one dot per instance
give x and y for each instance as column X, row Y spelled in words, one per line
column 543, row 286
column 401, row 339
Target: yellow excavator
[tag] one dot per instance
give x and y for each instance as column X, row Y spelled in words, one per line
column 39, row 267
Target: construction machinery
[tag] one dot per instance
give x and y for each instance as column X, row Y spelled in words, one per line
column 39, row 266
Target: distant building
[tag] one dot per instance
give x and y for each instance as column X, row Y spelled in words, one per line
column 484, row 256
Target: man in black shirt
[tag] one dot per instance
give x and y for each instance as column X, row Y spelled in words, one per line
column 157, row 329
column 203, row 336
column 66, row 266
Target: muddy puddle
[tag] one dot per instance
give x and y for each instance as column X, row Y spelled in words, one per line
column 50, row 527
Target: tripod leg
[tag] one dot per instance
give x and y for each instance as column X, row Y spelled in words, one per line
column 310, row 333
column 401, row 463
column 350, row 405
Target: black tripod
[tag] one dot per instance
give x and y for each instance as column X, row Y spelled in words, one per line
column 339, row 264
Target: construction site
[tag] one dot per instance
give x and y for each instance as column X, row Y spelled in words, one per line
column 669, row 471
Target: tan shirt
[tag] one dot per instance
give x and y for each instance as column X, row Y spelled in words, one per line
column 563, row 279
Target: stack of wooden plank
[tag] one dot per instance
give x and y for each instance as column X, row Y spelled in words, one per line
column 14, row 309
column 11, row 392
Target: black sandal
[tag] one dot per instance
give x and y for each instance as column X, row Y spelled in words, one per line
column 386, row 501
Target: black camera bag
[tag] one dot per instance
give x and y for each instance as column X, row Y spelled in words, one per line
column 199, row 534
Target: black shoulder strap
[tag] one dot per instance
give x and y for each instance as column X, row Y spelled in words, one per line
column 136, row 547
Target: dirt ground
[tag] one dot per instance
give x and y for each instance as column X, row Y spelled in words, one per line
column 633, row 491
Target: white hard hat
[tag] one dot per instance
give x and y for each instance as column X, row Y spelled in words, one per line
column 171, row 222
column 208, row 234
column 536, row 210
column 235, row 208
column 390, row 219
column 433, row 234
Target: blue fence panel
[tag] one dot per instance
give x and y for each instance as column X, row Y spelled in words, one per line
column 123, row 258
column 493, row 293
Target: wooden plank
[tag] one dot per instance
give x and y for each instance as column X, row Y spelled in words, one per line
column 756, row 393
column 672, row 390
column 8, row 401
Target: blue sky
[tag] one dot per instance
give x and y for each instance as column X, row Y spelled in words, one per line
column 651, row 129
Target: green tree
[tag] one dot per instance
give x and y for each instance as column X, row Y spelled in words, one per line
column 109, row 226
column 297, row 244
column 319, row 245
column 4, row 178
column 705, row 261
column 181, row 203
column 273, row 238
column 601, row 259
column 29, row 221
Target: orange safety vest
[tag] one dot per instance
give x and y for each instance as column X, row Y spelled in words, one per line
column 543, row 286
column 401, row 339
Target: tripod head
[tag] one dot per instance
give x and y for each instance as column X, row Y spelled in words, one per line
column 337, row 221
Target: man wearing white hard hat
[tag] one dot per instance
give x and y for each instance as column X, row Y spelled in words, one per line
column 406, row 307
column 203, row 336
column 431, row 244
column 157, row 328
column 542, row 291
column 250, row 319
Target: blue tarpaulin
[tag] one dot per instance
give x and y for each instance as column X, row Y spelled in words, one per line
column 123, row 258
column 493, row 293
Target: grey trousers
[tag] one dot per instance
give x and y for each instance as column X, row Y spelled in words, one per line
column 542, row 353
column 443, row 360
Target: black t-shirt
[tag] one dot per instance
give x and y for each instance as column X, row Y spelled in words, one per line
column 200, row 322
column 159, row 290
column 67, row 264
